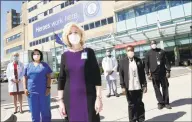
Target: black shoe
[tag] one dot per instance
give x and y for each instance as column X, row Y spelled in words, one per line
column 160, row 106
column 14, row 112
column 168, row 106
column 109, row 95
column 116, row 94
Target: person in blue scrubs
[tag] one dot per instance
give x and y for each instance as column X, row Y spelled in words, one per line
column 37, row 84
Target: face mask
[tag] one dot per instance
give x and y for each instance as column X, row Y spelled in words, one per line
column 74, row 38
column 36, row 57
column 153, row 46
column 130, row 54
column 15, row 58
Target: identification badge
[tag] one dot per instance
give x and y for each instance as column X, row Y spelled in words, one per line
column 84, row 55
column 158, row 62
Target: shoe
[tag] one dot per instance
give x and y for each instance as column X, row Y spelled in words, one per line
column 160, row 106
column 168, row 106
column 116, row 94
column 109, row 95
column 15, row 112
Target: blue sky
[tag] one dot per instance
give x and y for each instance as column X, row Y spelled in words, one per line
column 7, row 6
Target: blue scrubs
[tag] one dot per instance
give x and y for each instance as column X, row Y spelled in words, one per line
column 37, row 84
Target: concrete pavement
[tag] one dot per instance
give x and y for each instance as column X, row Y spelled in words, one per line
column 116, row 109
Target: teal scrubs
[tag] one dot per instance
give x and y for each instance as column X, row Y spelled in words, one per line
column 37, row 84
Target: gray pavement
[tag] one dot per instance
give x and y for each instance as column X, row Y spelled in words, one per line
column 116, row 109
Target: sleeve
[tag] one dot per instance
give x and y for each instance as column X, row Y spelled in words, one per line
column 49, row 71
column 121, row 74
column 62, row 75
column 8, row 73
column 143, row 74
column 95, row 68
column 167, row 63
column 116, row 64
column 147, row 63
column 25, row 70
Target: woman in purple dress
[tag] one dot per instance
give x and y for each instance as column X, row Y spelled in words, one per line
column 79, row 86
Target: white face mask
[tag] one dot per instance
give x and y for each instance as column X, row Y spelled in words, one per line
column 153, row 46
column 74, row 38
column 36, row 57
column 130, row 54
column 15, row 58
column 108, row 53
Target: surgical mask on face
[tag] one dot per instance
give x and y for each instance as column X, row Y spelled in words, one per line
column 74, row 38
column 15, row 58
column 36, row 57
column 130, row 54
column 153, row 46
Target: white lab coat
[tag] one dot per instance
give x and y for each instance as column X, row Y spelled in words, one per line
column 110, row 64
column 10, row 75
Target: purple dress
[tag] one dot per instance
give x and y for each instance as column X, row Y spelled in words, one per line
column 77, row 88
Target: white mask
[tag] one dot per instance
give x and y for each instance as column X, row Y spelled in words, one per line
column 36, row 57
column 153, row 46
column 130, row 54
column 74, row 38
column 108, row 53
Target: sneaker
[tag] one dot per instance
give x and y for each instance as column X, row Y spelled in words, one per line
column 168, row 106
column 116, row 94
column 109, row 95
column 160, row 106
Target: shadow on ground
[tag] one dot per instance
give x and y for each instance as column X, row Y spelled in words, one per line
column 167, row 117
column 181, row 102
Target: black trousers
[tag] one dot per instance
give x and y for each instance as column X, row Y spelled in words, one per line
column 158, row 79
column 136, row 107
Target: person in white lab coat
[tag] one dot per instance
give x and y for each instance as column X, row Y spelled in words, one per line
column 15, row 73
column 109, row 64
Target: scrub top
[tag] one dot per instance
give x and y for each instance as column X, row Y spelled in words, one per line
column 37, row 77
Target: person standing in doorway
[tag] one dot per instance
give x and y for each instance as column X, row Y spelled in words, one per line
column 133, row 82
column 157, row 64
column 110, row 65
column 15, row 73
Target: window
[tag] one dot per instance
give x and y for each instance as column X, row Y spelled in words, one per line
column 173, row 3
column 150, row 7
column 139, row 10
column 98, row 24
column 43, row 40
column 47, row 39
column 66, row 3
column 44, row 2
column 35, row 18
column 31, row 44
column 186, row 1
column 92, row 25
column 37, row 42
column 52, row 37
column 40, row 41
column 86, row 27
column 14, row 49
column 45, row 13
column 103, row 22
column 50, row 11
column 121, row 16
column 110, row 20
column 62, row 5
column 30, row 20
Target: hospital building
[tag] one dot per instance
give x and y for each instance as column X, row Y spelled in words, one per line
column 107, row 24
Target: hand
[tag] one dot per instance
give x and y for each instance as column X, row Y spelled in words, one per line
column 144, row 89
column 26, row 92
column 168, row 75
column 123, row 91
column 111, row 72
column 98, row 105
column 149, row 77
column 62, row 108
column 47, row 91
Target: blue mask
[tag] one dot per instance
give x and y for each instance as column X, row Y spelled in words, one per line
column 15, row 58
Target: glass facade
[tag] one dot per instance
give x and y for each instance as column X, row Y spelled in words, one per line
column 14, row 37
column 14, row 49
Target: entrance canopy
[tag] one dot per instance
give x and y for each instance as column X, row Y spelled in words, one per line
column 121, row 39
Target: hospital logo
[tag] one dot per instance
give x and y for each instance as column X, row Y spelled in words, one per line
column 91, row 8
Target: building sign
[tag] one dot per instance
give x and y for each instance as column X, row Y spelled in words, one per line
column 78, row 13
column 131, row 43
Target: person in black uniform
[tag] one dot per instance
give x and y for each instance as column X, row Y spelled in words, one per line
column 158, row 68
column 133, row 84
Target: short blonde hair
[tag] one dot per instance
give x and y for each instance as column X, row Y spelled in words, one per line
column 66, row 31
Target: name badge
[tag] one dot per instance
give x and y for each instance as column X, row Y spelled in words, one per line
column 158, row 62
column 84, row 55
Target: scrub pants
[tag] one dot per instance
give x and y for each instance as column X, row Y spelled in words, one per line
column 40, row 105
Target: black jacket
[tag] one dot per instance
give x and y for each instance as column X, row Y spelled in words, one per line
column 151, row 61
column 124, row 71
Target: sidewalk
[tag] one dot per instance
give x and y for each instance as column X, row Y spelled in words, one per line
column 116, row 109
